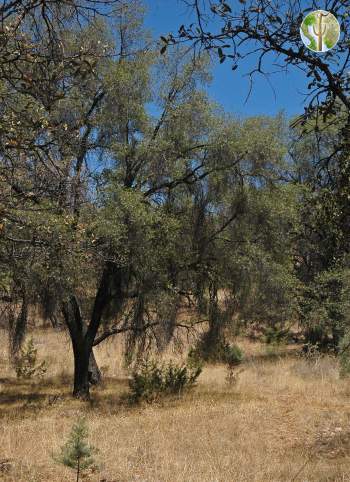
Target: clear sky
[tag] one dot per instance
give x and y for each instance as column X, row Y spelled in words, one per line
column 230, row 88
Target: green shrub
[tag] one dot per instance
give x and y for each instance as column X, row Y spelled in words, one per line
column 276, row 335
column 231, row 354
column 222, row 352
column 324, row 308
column 25, row 362
column 150, row 380
column 194, row 358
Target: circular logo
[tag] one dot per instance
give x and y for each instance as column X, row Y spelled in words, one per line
column 320, row 31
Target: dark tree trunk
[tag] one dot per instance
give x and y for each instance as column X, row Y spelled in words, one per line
column 81, row 348
column 213, row 339
column 81, row 371
column 86, row 371
column 109, row 298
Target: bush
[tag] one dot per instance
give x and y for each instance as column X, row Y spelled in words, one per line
column 150, row 380
column 276, row 335
column 25, row 362
column 194, row 358
column 325, row 308
column 231, row 354
column 223, row 352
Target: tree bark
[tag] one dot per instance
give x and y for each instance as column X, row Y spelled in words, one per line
column 95, row 376
column 86, row 371
column 81, row 371
column 81, row 348
column 18, row 329
column 109, row 295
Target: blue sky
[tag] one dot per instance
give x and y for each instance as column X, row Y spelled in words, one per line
column 230, row 88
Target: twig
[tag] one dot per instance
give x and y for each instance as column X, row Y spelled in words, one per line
column 301, row 469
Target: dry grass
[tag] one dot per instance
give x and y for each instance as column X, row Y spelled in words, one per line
column 284, row 420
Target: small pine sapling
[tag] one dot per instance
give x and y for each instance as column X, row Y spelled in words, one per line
column 76, row 453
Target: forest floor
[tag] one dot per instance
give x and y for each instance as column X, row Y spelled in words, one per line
column 286, row 419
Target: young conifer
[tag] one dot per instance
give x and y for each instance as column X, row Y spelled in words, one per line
column 76, row 453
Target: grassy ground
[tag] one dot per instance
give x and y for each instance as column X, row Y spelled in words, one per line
column 285, row 419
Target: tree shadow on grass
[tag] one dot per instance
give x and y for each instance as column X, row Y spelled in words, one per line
column 20, row 398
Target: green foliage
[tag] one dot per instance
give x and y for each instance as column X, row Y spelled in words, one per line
column 322, row 241
column 231, row 354
column 151, row 380
column 256, row 257
column 276, row 334
column 325, row 307
column 194, row 357
column 76, row 453
column 220, row 352
column 25, row 362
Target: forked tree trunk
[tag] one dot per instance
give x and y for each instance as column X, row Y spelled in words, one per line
column 81, row 348
column 82, row 337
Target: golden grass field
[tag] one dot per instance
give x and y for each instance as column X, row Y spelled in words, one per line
column 286, row 419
